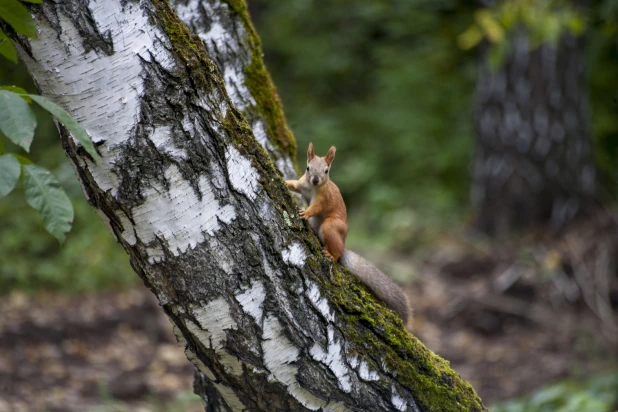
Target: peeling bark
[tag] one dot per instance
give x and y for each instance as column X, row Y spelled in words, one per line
column 208, row 223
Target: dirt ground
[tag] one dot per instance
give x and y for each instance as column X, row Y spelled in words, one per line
column 113, row 351
column 512, row 316
column 509, row 316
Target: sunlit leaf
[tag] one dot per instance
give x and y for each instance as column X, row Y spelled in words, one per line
column 470, row 38
column 551, row 29
column 576, row 24
column 17, row 121
column 17, row 90
column 490, row 26
column 6, row 48
column 10, row 169
column 43, row 193
column 509, row 15
column 65, row 118
column 18, row 17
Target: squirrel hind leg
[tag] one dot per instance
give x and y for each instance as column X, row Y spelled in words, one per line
column 330, row 234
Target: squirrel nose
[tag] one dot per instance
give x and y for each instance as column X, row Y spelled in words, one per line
column 315, row 180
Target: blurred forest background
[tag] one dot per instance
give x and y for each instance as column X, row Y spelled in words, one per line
column 446, row 188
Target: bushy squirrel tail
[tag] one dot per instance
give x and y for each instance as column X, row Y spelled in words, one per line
column 378, row 283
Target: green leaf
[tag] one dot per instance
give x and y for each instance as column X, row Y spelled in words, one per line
column 551, row 29
column 23, row 160
column 43, row 193
column 14, row 89
column 490, row 26
column 10, row 169
column 32, row 1
column 18, row 16
column 1, row 148
column 17, row 121
column 65, row 118
column 17, row 90
column 6, row 48
column 470, row 38
column 576, row 24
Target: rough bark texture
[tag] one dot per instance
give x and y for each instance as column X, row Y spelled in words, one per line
column 533, row 161
column 211, row 228
column 233, row 44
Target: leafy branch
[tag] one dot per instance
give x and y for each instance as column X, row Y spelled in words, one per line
column 18, row 123
column 543, row 20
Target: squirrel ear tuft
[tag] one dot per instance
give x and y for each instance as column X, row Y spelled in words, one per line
column 330, row 156
column 310, row 153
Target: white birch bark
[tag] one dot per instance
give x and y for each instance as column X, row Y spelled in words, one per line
column 232, row 45
column 211, row 228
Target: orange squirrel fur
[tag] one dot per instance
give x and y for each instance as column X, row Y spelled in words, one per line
column 326, row 211
column 328, row 218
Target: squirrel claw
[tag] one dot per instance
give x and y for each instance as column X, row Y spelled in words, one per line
column 302, row 214
column 327, row 254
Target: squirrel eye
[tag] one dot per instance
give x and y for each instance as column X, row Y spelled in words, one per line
column 326, row 170
column 307, row 167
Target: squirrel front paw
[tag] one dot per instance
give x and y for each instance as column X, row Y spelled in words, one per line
column 303, row 214
column 327, row 254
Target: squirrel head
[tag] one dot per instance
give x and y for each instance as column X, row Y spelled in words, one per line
column 318, row 168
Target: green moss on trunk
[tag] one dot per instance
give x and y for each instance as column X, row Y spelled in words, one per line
column 368, row 325
column 262, row 88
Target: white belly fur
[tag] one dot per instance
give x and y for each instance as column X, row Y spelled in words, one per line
column 315, row 221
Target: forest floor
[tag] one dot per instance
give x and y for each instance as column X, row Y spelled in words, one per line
column 509, row 316
column 513, row 316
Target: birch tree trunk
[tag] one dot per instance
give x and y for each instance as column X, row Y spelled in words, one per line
column 198, row 204
column 533, row 161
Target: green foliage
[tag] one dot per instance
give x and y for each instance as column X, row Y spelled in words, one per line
column 30, row 259
column 6, row 48
column 17, row 90
column 17, row 121
column 10, row 169
column 385, row 83
column 89, row 260
column 18, row 17
column 604, row 108
column 44, row 194
column 388, row 85
column 65, row 118
column 543, row 20
column 595, row 395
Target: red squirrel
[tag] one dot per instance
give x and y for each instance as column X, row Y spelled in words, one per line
column 328, row 218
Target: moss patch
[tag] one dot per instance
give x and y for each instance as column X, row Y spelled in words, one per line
column 262, row 88
column 271, row 178
column 370, row 324
column 188, row 48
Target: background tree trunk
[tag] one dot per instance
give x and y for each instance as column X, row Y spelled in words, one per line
column 207, row 220
column 533, row 161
